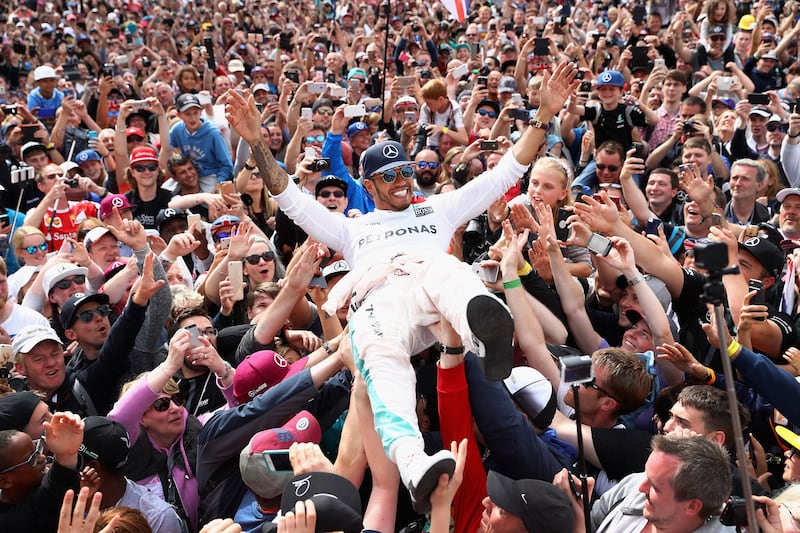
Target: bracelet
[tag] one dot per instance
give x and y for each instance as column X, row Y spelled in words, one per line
column 711, row 376
column 513, row 284
column 119, row 130
column 227, row 373
column 733, row 348
column 635, row 280
column 50, row 146
column 327, row 348
column 452, row 350
column 524, row 271
column 249, row 167
column 795, row 136
column 445, row 129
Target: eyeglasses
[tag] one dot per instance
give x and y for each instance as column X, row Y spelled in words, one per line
column 324, row 111
column 311, row 139
column 485, row 113
column 338, row 193
column 717, row 37
column 88, row 315
column 428, row 164
column 255, row 258
column 221, row 235
column 773, row 126
column 66, row 283
column 162, row 404
column 38, row 247
column 593, row 385
column 610, row 168
column 54, row 176
column 472, row 35
column 390, row 175
column 142, row 168
column 33, row 458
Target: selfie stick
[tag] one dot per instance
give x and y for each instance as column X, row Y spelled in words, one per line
column 714, row 293
column 388, row 9
column 581, row 459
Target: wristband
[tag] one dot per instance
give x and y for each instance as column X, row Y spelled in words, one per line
column 50, row 146
column 524, row 271
column 327, row 348
column 733, row 348
column 445, row 129
column 795, row 136
column 452, row 350
column 513, row 284
column 711, row 376
column 227, row 373
column 635, row 280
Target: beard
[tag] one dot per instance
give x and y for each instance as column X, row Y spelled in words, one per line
column 426, row 179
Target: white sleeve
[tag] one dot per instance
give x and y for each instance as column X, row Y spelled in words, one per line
column 790, row 161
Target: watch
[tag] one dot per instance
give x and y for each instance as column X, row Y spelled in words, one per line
column 539, row 124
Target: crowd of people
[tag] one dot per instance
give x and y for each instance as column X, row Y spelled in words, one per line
column 338, row 266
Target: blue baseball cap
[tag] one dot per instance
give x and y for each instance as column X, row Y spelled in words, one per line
column 356, row 72
column 611, row 77
column 355, row 128
column 86, row 156
column 383, row 156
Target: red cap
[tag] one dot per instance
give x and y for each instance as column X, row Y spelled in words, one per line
column 143, row 153
column 134, row 131
column 260, row 371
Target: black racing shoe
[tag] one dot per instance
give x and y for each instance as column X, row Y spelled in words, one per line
column 492, row 334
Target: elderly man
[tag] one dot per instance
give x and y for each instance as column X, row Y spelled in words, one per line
column 746, row 176
column 426, row 284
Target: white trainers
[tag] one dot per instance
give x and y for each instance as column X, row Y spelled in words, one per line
column 420, row 475
column 492, row 334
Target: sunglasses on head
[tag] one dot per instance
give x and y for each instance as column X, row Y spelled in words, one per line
column 311, row 139
column 66, row 283
column 428, row 164
column 88, row 315
column 486, row 112
column 33, row 458
column 38, row 247
column 141, row 168
column 774, row 126
column 610, row 168
column 338, row 193
column 390, row 175
column 162, row 404
column 255, row 258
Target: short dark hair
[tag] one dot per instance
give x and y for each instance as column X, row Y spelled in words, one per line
column 695, row 100
column 613, row 147
column 673, row 177
column 713, row 405
column 189, row 312
column 177, row 159
column 677, row 75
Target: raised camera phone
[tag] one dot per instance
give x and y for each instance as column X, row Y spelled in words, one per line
column 488, row 273
column 305, row 112
column 735, row 511
column 483, row 81
column 562, row 228
column 640, row 151
column 460, row 71
column 489, row 146
column 519, row 114
column 194, row 335
column 277, row 460
column 586, row 87
column 758, row 286
column 317, row 87
column 410, row 116
column 293, row 76
column 193, row 218
column 356, row 110
column 758, row 98
column 599, row 245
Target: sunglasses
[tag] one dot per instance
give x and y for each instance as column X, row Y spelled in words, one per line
column 311, row 139
column 610, row 168
column 66, row 283
column 772, row 126
column 593, row 385
column 610, row 185
column 324, row 111
column 256, row 258
column 390, row 175
column 428, row 164
column 142, row 168
column 162, row 404
column 327, row 194
column 33, row 458
column 221, row 235
column 54, row 176
column 486, row 113
column 88, row 315
column 38, row 247
column 717, row 37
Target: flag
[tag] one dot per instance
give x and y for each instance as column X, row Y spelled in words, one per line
column 787, row 298
column 458, row 8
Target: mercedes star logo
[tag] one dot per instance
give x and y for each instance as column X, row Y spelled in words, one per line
column 390, row 151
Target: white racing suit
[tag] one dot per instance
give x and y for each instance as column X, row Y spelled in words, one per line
column 401, row 280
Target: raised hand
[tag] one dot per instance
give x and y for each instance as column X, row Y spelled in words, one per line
column 242, row 115
column 148, row 285
column 559, row 86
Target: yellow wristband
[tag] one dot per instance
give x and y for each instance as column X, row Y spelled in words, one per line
column 445, row 129
column 524, row 271
column 733, row 348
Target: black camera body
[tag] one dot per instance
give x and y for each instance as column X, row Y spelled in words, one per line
column 688, row 126
column 735, row 511
column 711, row 256
column 319, row 165
column 421, row 140
column 71, row 182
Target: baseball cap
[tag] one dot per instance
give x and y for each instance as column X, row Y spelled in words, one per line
column 658, row 287
column 717, row 30
column 730, row 103
column 16, row 410
column 490, row 103
column 235, row 65
column 253, row 468
column 66, row 166
column 71, row 306
column 260, row 371
column 383, row 156
column 761, row 111
column 94, row 235
column 336, row 500
column 107, row 205
column 770, row 55
column 534, row 393
column 355, row 128
column 789, row 436
column 85, row 156
column 335, row 269
column 260, row 87
column 330, row 181
column 61, row 271
column 29, row 337
column 541, row 506
column 104, row 441
column 507, row 85
column 44, row 73
column 322, row 102
column 224, row 221
column 405, row 101
column 774, row 118
column 187, row 101
column 143, row 153
column 30, row 147
column 165, row 215
column 134, row 132
column 766, row 253
column 113, row 269
column 783, row 193
column 610, row 77
column 747, row 22
column 356, row 72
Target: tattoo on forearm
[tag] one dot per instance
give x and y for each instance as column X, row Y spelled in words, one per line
column 273, row 175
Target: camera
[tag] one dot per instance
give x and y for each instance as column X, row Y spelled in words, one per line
column 711, row 256
column 71, row 182
column 10, row 109
column 146, row 62
column 320, row 164
column 688, row 126
column 292, row 75
column 421, row 140
column 475, row 230
column 460, row 173
column 576, row 369
column 415, row 27
column 735, row 511
column 108, row 70
column 208, row 43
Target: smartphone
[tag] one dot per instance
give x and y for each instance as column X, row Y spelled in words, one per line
column 716, row 220
column 194, row 335
column 27, row 132
column 410, row 116
column 204, row 99
column 225, row 243
column 758, row 286
column 69, row 93
column 652, row 226
column 121, row 60
column 724, row 84
column 562, row 228
column 659, row 63
column 305, row 112
column 586, row 87
column 355, row 84
column 357, row 110
column 138, row 105
column 406, row 81
column 5, row 220
column 599, row 245
column 541, row 47
column 67, row 247
column 640, row 152
column 489, row 146
column 483, row 81
column 517, row 98
column 293, row 76
column 194, row 218
column 277, row 460
column 93, row 135
column 758, row 98
column 338, row 92
column 474, row 48
column 487, row 273
column 235, row 275
column 318, row 87
column 318, row 281
column 519, row 114
column 460, row 71
column 794, row 107
column 639, row 15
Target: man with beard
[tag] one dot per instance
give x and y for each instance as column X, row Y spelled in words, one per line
column 427, row 173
